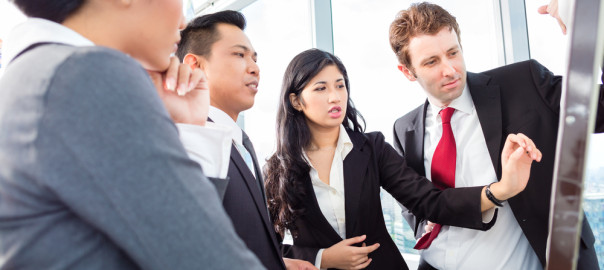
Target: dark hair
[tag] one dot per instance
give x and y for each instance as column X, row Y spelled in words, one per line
column 200, row 34
column 287, row 168
column 53, row 10
column 418, row 19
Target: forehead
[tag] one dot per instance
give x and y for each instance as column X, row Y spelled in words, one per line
column 328, row 73
column 230, row 35
column 425, row 45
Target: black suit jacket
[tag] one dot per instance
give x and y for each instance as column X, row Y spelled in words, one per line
column 245, row 204
column 372, row 164
column 522, row 97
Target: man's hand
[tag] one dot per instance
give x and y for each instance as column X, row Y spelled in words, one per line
column 552, row 9
column 184, row 92
column 518, row 154
column 293, row 264
column 345, row 256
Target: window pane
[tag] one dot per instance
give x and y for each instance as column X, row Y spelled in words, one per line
column 278, row 30
column 550, row 47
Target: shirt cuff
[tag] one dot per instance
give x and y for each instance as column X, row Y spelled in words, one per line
column 487, row 216
column 208, row 145
column 318, row 259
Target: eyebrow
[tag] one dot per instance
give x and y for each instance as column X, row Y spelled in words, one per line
column 324, row 82
column 245, row 48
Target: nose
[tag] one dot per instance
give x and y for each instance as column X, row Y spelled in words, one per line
column 183, row 22
column 253, row 68
column 334, row 96
column 448, row 69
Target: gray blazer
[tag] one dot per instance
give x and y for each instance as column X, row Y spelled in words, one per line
column 93, row 174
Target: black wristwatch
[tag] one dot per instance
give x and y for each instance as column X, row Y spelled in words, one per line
column 492, row 198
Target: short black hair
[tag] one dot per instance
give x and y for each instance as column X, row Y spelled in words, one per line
column 53, row 10
column 199, row 35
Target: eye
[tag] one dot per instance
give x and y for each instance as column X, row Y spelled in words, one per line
column 429, row 63
column 453, row 53
column 320, row 88
column 341, row 86
column 239, row 54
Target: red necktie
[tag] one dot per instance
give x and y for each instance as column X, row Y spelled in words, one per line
column 443, row 168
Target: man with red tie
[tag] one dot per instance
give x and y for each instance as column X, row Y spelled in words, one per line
column 455, row 139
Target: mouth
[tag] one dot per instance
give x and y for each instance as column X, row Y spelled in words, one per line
column 253, row 86
column 452, row 83
column 335, row 112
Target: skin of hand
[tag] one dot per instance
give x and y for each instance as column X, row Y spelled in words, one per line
column 184, row 92
column 293, row 264
column 428, row 227
column 516, row 158
column 552, row 9
column 345, row 256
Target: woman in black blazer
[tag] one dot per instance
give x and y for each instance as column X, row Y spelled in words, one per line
column 323, row 183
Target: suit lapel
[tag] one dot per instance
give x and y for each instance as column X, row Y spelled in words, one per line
column 255, row 191
column 487, row 101
column 355, row 167
column 314, row 214
column 414, row 140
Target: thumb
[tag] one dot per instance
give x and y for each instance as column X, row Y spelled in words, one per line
column 542, row 10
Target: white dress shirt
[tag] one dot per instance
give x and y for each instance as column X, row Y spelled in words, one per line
column 235, row 136
column 331, row 197
column 504, row 246
column 210, row 146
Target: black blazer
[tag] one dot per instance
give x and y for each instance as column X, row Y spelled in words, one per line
column 522, row 97
column 372, row 164
column 244, row 202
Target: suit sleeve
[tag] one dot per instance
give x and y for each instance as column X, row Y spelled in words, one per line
column 416, row 224
column 454, row 206
column 301, row 253
column 550, row 90
column 124, row 171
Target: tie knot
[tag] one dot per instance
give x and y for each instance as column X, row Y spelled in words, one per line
column 445, row 114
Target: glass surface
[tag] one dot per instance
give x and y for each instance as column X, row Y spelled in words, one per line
column 550, row 47
column 278, row 30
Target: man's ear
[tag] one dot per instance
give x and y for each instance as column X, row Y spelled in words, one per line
column 295, row 101
column 193, row 61
column 408, row 73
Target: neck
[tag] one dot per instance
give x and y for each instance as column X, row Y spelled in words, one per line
column 322, row 138
column 231, row 113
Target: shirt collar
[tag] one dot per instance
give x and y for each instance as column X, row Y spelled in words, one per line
column 36, row 30
column 220, row 117
column 463, row 103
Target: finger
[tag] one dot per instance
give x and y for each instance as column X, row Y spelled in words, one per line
column 353, row 240
column 184, row 74
column 171, row 74
column 368, row 249
column 198, row 80
column 542, row 10
column 363, row 245
column 531, row 148
column 562, row 25
column 363, row 266
column 361, row 260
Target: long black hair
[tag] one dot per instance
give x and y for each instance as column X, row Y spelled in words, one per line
column 53, row 10
column 287, row 167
